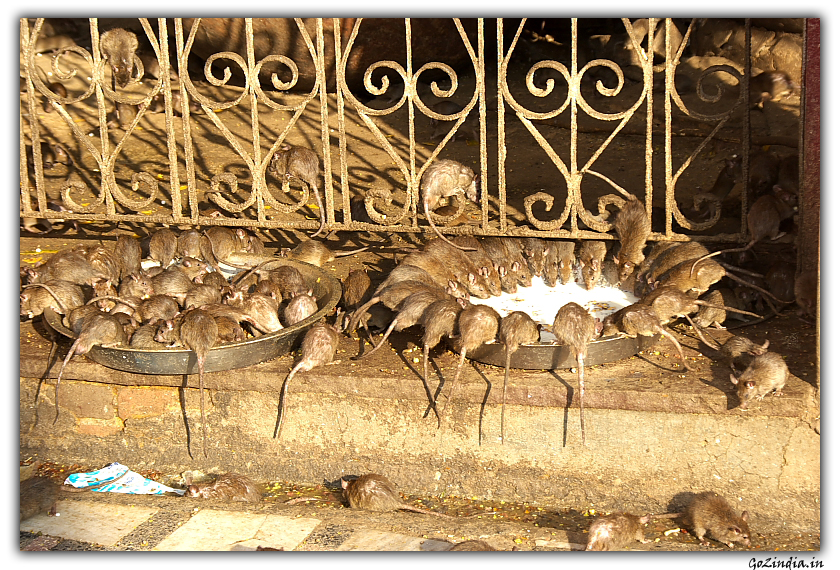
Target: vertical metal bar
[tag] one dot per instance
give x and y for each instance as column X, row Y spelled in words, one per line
column 321, row 75
column 342, row 127
column 649, row 134
column 482, row 120
column 747, row 147
column 251, row 63
column 25, row 192
column 171, row 142
column 500, row 117
column 807, row 241
column 669, row 139
column 413, row 186
column 189, row 155
column 573, row 188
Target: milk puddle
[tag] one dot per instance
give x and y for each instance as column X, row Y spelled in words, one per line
column 541, row 302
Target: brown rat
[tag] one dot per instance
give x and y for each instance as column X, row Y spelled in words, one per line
column 356, row 289
column 409, row 312
column 218, row 244
column 227, row 487
column 445, row 269
column 300, row 307
column 591, row 255
column 144, row 338
column 442, row 179
column 729, row 175
column 534, row 250
column 495, row 249
column 137, row 285
column 769, row 86
column 805, row 291
column 373, row 492
column 663, row 257
column 163, row 245
column 316, row 253
column 438, row 320
column 739, row 352
column 575, row 327
column 781, row 279
column 199, row 333
column 639, row 319
column 559, row 262
column 62, row 296
column 263, row 310
column 201, row 294
column 482, row 261
column 119, row 47
column 709, row 513
column 128, row 252
column 613, row 532
column 518, row 263
column 173, row 282
column 99, row 328
column 317, row 348
column 302, row 163
column 515, row 329
column 763, row 221
column 767, row 372
column 477, row 325
column 633, row 228
column 189, row 244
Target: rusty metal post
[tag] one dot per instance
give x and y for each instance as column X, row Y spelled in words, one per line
column 808, row 239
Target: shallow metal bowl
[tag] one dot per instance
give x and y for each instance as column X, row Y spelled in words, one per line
column 326, row 289
column 546, row 356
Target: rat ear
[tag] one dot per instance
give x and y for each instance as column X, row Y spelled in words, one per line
column 615, row 259
column 745, row 516
column 471, row 277
column 734, row 380
column 766, row 344
column 644, row 519
column 596, row 264
column 343, row 483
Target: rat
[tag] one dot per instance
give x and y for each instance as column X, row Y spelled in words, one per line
column 478, row 324
column 770, row 86
column 767, row 372
column 119, row 47
column 515, row 329
column 805, row 291
column 461, row 266
column 173, row 282
column 633, row 227
column 62, row 296
column 300, row 307
column 409, row 312
column 534, row 250
column 99, row 328
column 201, row 294
column 137, row 285
column 355, row 289
column 163, row 245
column 639, row 319
column 763, row 221
column 669, row 302
column 613, row 532
column 575, row 327
column 189, row 244
column 788, row 178
column 228, row 487
column 128, row 252
column 144, row 338
column 438, row 320
column 781, row 279
column 764, row 171
column 729, row 175
column 199, row 333
column 218, row 244
column 373, row 492
column 441, row 127
column 317, row 348
column 316, row 253
column 662, row 259
column 591, row 255
column 519, row 266
column 739, row 352
column 67, row 265
column 302, row 163
column 444, row 269
column 709, row 513
column 442, row 179
column 263, row 310
column 229, row 330
column 496, row 251
column 559, row 262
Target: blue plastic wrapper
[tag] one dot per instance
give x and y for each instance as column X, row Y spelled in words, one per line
column 129, row 481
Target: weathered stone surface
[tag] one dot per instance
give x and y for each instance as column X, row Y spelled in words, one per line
column 87, row 401
column 146, row 401
column 100, row 428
